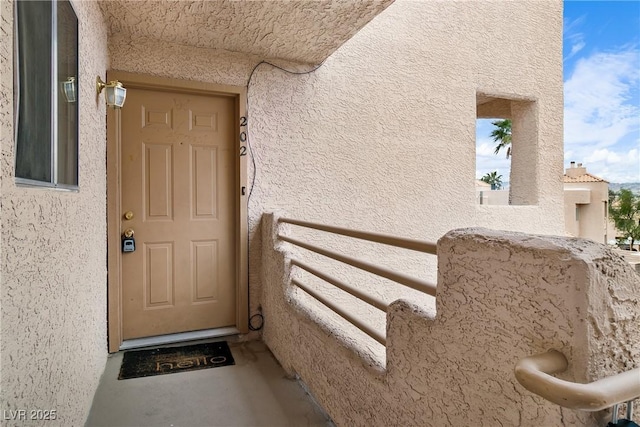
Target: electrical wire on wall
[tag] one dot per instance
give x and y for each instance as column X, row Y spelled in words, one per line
column 253, row 160
column 259, row 316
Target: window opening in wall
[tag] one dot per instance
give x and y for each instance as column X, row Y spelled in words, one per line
column 45, row 94
column 506, row 151
column 493, row 164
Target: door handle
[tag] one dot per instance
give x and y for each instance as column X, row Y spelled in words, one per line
column 128, row 233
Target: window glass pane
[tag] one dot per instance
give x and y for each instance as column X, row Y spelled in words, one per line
column 33, row 145
column 67, row 38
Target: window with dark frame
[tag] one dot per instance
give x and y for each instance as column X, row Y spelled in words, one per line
column 45, row 94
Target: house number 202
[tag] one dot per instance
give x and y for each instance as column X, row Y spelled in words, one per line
column 243, row 136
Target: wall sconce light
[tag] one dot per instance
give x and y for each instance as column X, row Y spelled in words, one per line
column 114, row 93
column 69, row 89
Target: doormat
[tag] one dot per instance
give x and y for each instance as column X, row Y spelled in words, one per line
column 169, row 360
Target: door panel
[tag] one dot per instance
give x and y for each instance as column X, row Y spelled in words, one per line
column 177, row 176
column 205, row 269
column 158, row 275
column 158, row 194
column 204, row 199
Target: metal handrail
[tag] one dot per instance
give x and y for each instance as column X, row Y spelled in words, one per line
column 404, row 279
column 534, row 374
column 386, row 239
column 363, row 326
column 369, row 299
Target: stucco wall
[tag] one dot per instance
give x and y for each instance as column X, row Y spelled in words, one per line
column 53, row 291
column 501, row 296
column 382, row 135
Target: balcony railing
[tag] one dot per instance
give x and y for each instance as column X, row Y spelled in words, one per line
column 401, row 278
column 500, row 296
column 535, row 374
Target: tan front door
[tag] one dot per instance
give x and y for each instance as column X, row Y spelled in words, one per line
column 177, row 179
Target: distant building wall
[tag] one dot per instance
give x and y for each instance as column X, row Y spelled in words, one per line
column 586, row 199
column 493, row 197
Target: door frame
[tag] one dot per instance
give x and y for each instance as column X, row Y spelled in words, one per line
column 114, row 211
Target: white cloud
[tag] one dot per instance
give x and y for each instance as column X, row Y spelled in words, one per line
column 487, row 161
column 574, row 37
column 577, row 47
column 484, row 148
column 614, row 166
column 602, row 114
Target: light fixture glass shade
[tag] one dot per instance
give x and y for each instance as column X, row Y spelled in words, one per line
column 70, row 91
column 115, row 94
column 121, row 96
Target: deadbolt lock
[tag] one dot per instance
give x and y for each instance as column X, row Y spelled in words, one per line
column 128, row 215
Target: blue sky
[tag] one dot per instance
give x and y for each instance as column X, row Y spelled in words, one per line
column 601, row 92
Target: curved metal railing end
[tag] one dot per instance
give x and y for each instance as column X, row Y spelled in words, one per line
column 534, row 374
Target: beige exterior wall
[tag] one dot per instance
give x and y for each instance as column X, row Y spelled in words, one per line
column 53, row 264
column 384, row 132
column 382, row 136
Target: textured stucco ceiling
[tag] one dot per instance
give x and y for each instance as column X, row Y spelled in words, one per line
column 299, row 30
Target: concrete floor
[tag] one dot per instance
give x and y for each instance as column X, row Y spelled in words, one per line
column 253, row 392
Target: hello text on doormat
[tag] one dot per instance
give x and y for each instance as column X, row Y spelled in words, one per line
column 169, row 360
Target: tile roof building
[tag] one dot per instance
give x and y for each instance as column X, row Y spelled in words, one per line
column 586, row 209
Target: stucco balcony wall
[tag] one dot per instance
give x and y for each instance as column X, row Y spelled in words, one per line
column 501, row 296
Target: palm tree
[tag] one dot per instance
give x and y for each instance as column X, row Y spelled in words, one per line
column 493, row 179
column 502, row 135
